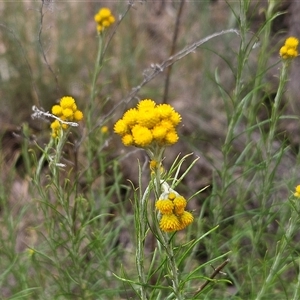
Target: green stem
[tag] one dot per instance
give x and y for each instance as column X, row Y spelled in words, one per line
column 269, row 169
column 91, row 105
column 98, row 66
column 165, row 239
column 275, row 111
column 173, row 267
column 236, row 113
column 261, row 65
column 54, row 165
column 41, row 162
column 141, row 225
column 297, row 289
column 280, row 253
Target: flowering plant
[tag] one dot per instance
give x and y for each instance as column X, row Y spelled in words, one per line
column 289, row 49
column 152, row 127
column 104, row 19
column 89, row 222
column 65, row 111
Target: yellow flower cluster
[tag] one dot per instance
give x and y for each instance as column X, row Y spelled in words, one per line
column 104, row 19
column 289, row 50
column 65, row 111
column 297, row 191
column 174, row 216
column 148, row 124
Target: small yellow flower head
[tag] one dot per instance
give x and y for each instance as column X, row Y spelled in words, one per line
column 167, row 124
column 146, row 104
column 104, row 19
column 121, row 127
column 55, row 126
column 159, row 133
column 149, row 124
column 127, row 140
column 148, row 117
column 67, row 102
column 292, row 53
column 283, row 50
column 104, row 129
column 65, row 111
column 169, row 223
column 185, row 219
column 175, row 118
column 165, row 206
column 57, row 110
column 165, row 110
column 130, row 117
column 297, row 191
column 74, row 107
column 68, row 113
column 289, row 50
column 171, row 137
column 292, row 42
column 64, row 126
column 78, row 115
column 142, row 136
column 172, row 196
column 179, row 205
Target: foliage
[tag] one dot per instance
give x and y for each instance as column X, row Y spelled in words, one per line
column 84, row 216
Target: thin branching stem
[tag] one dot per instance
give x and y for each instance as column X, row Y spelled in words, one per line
column 156, row 69
column 173, row 47
column 212, row 276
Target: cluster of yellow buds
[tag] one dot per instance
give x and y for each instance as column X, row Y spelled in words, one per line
column 104, row 19
column 156, row 165
column 289, row 50
column 66, row 111
column 297, row 191
column 174, row 216
column 148, row 124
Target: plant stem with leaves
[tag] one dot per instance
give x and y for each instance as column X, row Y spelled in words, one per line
column 281, row 249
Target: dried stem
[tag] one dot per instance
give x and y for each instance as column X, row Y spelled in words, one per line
column 156, row 69
column 173, row 47
column 213, row 275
